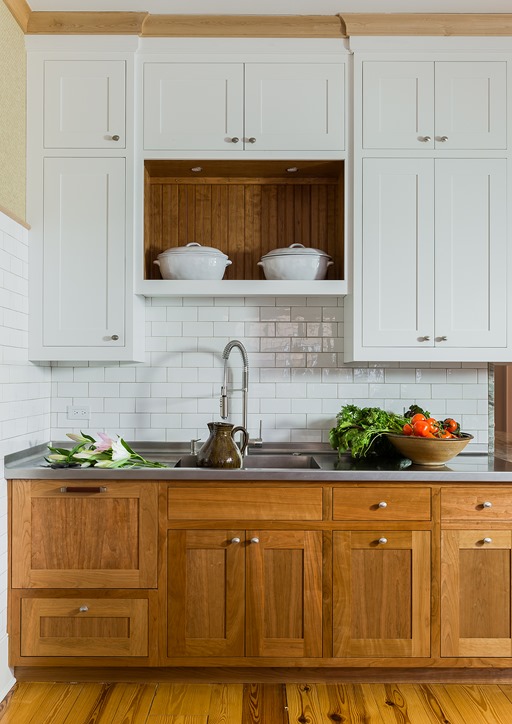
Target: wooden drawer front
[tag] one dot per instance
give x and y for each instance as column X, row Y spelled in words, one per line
column 485, row 504
column 57, row 627
column 272, row 503
column 381, row 504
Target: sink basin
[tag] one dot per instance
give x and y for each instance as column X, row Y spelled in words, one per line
column 281, row 461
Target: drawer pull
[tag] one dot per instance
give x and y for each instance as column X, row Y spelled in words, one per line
column 82, row 489
column 487, row 540
column 381, row 541
column 255, row 540
column 83, row 609
column 235, row 540
column 383, row 504
column 487, row 504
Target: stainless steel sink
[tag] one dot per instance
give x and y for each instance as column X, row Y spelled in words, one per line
column 278, row 461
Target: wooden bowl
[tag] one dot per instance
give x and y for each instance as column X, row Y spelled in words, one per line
column 429, row 450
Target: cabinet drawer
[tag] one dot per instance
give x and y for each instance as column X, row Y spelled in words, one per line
column 84, row 627
column 477, row 504
column 381, row 504
column 272, row 503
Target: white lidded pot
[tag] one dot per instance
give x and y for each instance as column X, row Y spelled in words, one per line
column 295, row 262
column 192, row 261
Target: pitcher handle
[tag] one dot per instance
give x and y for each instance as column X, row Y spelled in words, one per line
column 245, row 437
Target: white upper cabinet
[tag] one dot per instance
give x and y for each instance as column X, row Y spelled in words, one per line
column 434, row 259
column 442, row 105
column 84, row 104
column 244, row 106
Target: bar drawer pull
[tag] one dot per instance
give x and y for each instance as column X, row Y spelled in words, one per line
column 82, row 489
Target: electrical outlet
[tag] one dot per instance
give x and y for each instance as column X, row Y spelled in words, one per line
column 78, row 413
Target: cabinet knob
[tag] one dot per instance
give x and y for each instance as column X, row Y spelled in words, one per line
column 487, row 504
column 487, row 540
column 383, row 504
column 252, row 139
column 235, row 139
column 115, row 337
column 443, row 139
column 441, row 339
column 115, row 138
column 235, row 540
column 83, row 609
column 426, row 338
column 382, row 541
column 424, row 139
column 255, row 540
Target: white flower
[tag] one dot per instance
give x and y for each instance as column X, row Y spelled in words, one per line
column 102, row 441
column 119, row 452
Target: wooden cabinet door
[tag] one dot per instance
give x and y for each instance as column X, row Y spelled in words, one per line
column 205, row 593
column 193, row 106
column 84, row 254
column 470, row 225
column 397, row 248
column 83, row 534
column 398, row 105
column 284, row 593
column 476, row 592
column 84, row 104
column 470, row 105
column 381, row 597
column 294, row 106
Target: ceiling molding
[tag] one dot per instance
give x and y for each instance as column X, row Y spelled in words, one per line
column 427, row 23
column 86, row 23
column 20, row 11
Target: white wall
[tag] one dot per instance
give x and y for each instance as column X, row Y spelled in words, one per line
column 298, row 381
column 24, row 392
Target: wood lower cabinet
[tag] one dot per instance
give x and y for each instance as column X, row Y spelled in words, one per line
column 237, row 592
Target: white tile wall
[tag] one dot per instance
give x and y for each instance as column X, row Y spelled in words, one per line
column 24, row 392
column 298, row 381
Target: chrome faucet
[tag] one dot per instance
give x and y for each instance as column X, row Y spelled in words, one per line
column 245, row 381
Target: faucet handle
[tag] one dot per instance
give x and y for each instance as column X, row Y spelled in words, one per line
column 258, row 442
column 193, row 445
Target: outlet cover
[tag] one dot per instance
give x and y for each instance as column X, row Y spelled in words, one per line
column 76, row 412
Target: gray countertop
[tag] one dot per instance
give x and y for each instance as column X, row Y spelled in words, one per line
column 466, row 467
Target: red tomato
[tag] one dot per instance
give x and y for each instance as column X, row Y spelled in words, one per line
column 418, row 417
column 451, row 425
column 434, row 424
column 407, row 429
column 421, row 428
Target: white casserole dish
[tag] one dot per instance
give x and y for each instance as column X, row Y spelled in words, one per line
column 192, row 261
column 295, row 262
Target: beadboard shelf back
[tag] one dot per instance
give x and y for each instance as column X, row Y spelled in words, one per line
column 245, row 209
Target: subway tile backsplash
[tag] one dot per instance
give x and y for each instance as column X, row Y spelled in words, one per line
column 297, row 381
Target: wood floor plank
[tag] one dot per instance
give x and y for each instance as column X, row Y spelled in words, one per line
column 36, row 703
column 176, row 719
column 304, row 703
column 226, row 702
column 124, row 703
column 181, row 700
column 401, row 703
column 84, row 705
column 264, row 704
column 361, row 706
column 329, row 703
column 482, row 704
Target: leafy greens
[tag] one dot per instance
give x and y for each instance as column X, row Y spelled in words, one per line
column 361, row 431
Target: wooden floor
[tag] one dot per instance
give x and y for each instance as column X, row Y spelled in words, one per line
column 257, row 704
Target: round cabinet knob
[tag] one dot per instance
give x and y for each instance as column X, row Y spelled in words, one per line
column 83, row 609
column 255, row 540
column 235, row 540
column 383, row 504
column 252, row 139
column 443, row 139
column 487, row 504
column 487, row 540
column 424, row 139
column 115, row 138
column 115, row 337
column 382, row 541
column 235, row 139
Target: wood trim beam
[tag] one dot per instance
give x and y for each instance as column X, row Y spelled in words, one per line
column 427, row 23
column 15, row 218
column 85, row 23
column 20, row 11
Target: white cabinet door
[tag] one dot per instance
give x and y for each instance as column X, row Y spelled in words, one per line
column 397, row 252
column 471, row 105
column 294, row 106
column 398, row 105
column 422, row 105
column 470, row 252
column 193, row 106
column 84, row 252
column 84, row 104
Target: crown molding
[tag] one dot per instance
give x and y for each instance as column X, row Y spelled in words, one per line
column 20, row 11
column 448, row 24
column 85, row 23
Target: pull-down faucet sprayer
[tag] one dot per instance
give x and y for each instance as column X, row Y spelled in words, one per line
column 245, row 381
